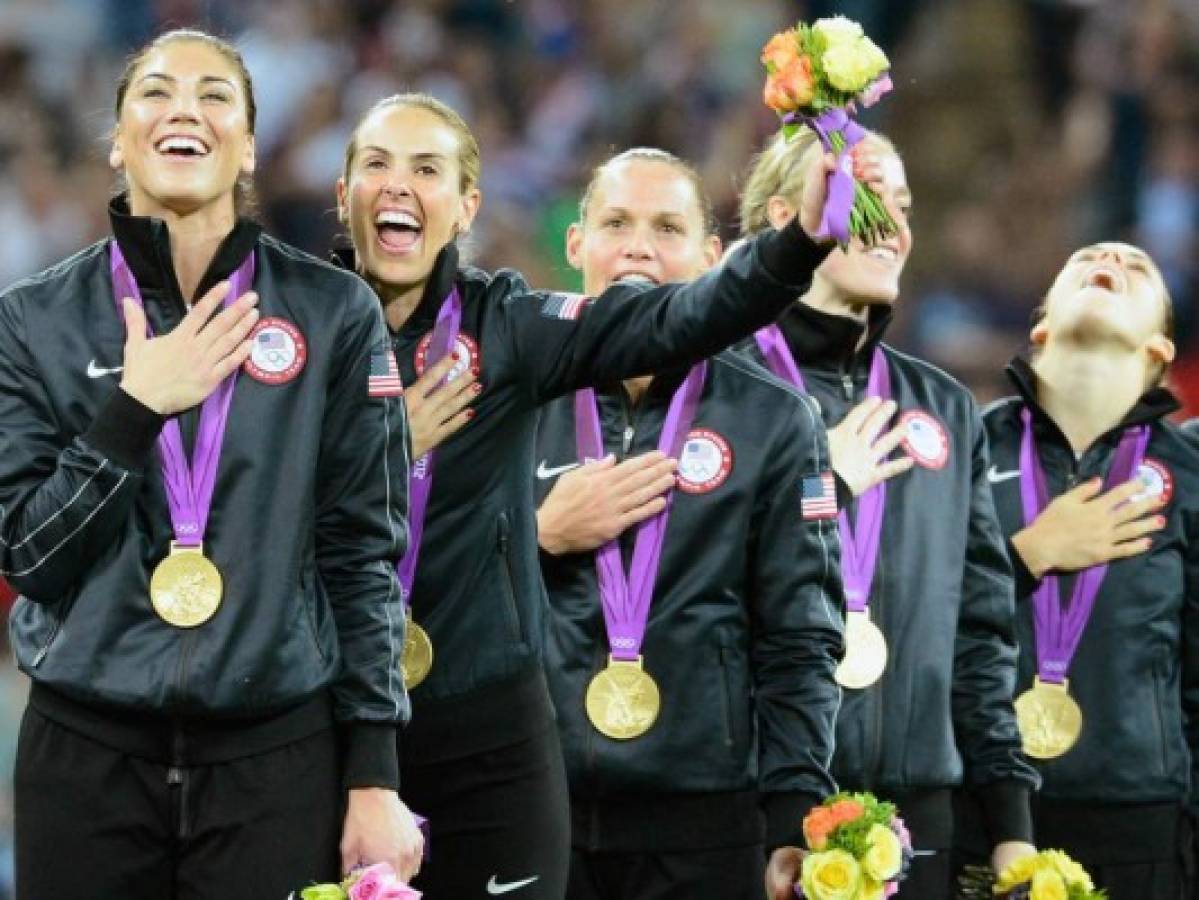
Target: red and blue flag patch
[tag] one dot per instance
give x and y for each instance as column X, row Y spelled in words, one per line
column 818, row 496
column 384, row 379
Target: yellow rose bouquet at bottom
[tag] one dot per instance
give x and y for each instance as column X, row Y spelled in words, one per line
column 859, row 850
column 1048, row 875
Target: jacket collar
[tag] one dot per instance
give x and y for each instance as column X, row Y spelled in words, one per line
column 824, row 341
column 146, row 245
column 1155, row 404
column 437, row 288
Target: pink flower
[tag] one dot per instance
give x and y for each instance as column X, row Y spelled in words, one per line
column 373, row 882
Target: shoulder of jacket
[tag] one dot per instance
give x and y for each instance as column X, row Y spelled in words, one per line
column 328, row 279
column 61, row 271
column 1004, row 406
column 929, row 373
column 758, row 378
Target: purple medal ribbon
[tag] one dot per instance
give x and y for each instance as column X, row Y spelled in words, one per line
column 626, row 599
column 420, row 479
column 189, row 485
column 834, row 218
column 1059, row 630
column 859, row 541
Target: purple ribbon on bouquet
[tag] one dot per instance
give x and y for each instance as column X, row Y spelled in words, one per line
column 834, row 218
column 1059, row 630
column 859, row 540
column 420, row 478
column 189, row 484
column 626, row 599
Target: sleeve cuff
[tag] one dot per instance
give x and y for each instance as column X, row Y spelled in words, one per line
column 124, row 431
column 1006, row 812
column 1026, row 582
column 372, row 755
column 784, row 813
column 790, row 256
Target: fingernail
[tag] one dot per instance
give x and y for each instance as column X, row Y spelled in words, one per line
column 470, row 414
column 1160, row 520
column 477, row 388
column 454, row 356
column 474, row 370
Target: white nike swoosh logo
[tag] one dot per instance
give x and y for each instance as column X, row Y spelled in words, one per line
column 95, row 371
column 543, row 472
column 995, row 476
column 495, row 888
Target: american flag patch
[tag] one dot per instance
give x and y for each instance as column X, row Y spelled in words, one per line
column 384, row 379
column 819, row 496
column 563, row 306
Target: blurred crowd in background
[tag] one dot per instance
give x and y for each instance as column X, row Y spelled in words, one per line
column 1029, row 128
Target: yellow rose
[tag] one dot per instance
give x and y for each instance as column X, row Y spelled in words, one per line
column 837, row 30
column 1048, row 885
column 1019, row 872
column 871, row 890
column 831, row 875
column 885, row 856
column 850, row 67
column 1069, row 869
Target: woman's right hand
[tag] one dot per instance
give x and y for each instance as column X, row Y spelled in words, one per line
column 178, row 370
column 438, row 408
column 859, row 455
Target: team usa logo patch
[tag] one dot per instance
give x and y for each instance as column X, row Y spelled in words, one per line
column 705, row 463
column 465, row 346
column 925, row 439
column 278, row 351
column 564, row 306
column 1157, row 480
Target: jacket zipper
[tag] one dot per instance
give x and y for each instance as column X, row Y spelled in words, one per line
column 1157, row 716
column 509, row 583
column 847, row 386
column 177, row 782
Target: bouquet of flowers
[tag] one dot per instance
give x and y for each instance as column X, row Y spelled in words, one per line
column 860, row 850
column 377, row 882
column 1048, row 875
column 815, row 76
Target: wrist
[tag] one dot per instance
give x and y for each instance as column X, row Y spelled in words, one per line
column 1026, row 544
column 548, row 537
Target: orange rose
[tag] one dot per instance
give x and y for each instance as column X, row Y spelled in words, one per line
column 781, row 51
column 846, row 811
column 790, row 88
column 816, row 827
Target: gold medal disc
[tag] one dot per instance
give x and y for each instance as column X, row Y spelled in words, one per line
column 417, row 659
column 1049, row 718
column 622, row 700
column 186, row 588
column 865, row 652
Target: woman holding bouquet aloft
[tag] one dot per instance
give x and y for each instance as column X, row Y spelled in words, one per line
column 194, row 504
column 1096, row 493
column 930, row 648
column 482, row 758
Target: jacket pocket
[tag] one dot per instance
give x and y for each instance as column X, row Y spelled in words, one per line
column 507, row 581
column 45, row 646
column 1159, row 714
column 308, row 598
column 728, row 697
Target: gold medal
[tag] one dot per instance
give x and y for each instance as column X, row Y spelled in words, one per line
column 622, row 700
column 417, row 659
column 1050, row 720
column 865, row 652
column 186, row 588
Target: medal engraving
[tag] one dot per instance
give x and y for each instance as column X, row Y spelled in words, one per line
column 865, row 653
column 1050, row 720
column 622, row 700
column 186, row 588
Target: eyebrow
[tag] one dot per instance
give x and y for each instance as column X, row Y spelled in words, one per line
column 661, row 214
column 425, row 155
column 204, row 79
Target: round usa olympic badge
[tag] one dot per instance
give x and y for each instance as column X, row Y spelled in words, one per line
column 278, row 351
column 1157, row 481
column 705, row 461
column 465, row 346
column 925, row 439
